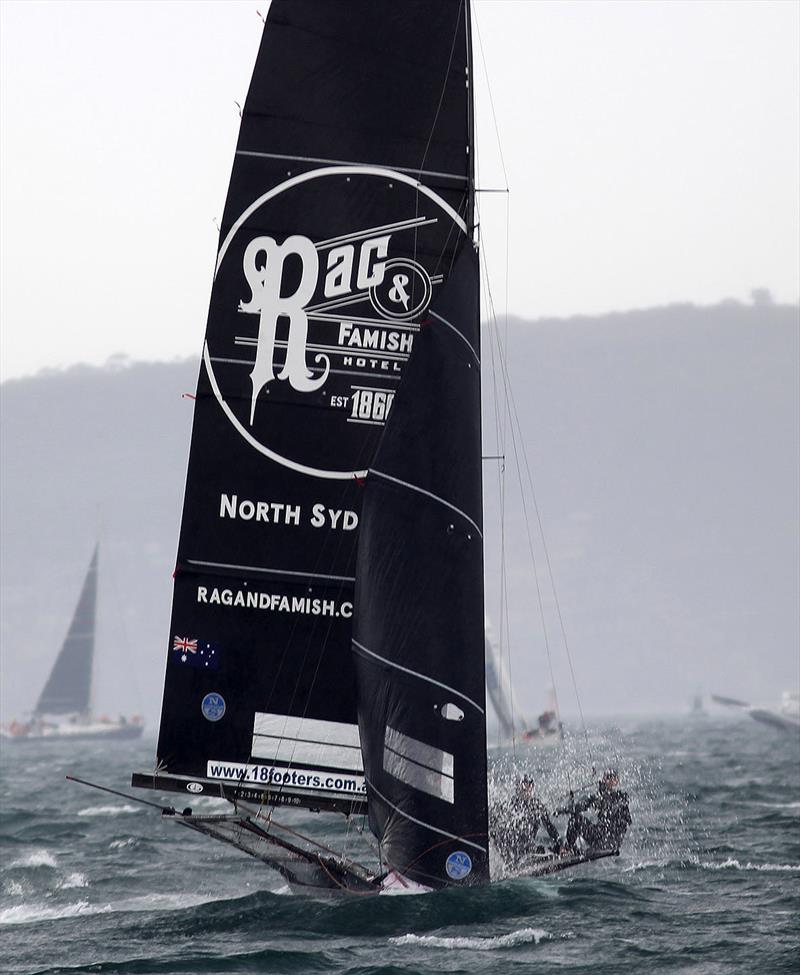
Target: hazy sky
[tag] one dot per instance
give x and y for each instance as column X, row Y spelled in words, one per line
column 651, row 149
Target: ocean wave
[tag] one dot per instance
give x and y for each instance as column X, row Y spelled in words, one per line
column 76, row 879
column 523, row 936
column 121, row 844
column 28, row 913
column 109, row 810
column 36, row 858
column 731, row 864
column 645, row 865
column 33, row 913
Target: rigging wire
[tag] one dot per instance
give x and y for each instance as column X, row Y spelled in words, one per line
column 516, row 426
column 514, row 416
column 500, row 426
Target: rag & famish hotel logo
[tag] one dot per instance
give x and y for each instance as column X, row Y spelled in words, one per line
column 334, row 317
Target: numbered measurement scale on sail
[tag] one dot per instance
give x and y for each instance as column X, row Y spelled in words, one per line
column 326, row 648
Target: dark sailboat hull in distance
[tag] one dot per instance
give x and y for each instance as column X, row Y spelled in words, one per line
column 775, row 720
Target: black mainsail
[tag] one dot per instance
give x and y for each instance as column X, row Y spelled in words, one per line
column 347, row 225
column 418, row 631
column 68, row 688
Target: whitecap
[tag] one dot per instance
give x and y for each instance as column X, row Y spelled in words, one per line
column 36, row 858
column 731, row 864
column 32, row 913
column 644, row 865
column 163, row 902
column 115, row 810
column 120, row 844
column 523, row 936
column 73, row 880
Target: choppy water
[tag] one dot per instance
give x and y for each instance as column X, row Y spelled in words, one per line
column 708, row 881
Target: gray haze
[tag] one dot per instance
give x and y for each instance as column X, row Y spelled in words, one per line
column 651, row 150
column 664, row 446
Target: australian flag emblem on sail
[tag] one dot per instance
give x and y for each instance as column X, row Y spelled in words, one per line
column 192, row 652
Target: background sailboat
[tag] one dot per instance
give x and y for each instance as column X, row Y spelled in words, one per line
column 515, row 726
column 784, row 717
column 63, row 710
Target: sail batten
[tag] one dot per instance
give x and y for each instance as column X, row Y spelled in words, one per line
column 429, row 494
column 426, row 677
column 427, row 173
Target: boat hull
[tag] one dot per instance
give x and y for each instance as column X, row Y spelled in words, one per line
column 91, row 732
column 775, row 720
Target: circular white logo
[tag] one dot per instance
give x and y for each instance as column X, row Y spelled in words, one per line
column 213, row 706
column 458, row 865
column 404, row 292
column 314, row 306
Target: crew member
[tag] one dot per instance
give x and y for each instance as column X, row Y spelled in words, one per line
column 613, row 816
column 514, row 828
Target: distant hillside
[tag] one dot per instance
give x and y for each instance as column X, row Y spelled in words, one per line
column 664, row 445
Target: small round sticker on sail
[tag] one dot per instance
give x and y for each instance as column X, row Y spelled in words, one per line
column 458, row 865
column 213, row 706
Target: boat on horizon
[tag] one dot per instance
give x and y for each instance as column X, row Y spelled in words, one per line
column 785, row 717
column 63, row 709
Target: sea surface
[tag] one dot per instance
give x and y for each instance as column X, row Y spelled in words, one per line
column 708, row 880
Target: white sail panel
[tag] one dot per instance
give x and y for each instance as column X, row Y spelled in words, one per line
column 283, row 738
column 419, row 765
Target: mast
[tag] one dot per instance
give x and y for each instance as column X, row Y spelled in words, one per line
column 418, row 631
column 68, row 687
column 348, row 203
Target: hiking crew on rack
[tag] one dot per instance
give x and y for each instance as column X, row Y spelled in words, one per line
column 613, row 816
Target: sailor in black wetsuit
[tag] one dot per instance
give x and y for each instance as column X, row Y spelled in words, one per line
column 514, row 828
column 613, row 816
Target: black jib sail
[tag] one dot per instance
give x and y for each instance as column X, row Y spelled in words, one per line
column 350, row 198
column 418, row 632
column 68, row 687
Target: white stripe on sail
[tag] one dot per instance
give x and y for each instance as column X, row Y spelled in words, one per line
column 429, row 494
column 419, row 752
column 277, row 572
column 283, row 738
column 463, row 338
column 418, row 777
column 419, row 822
column 419, row 765
column 415, row 673
column 344, row 162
